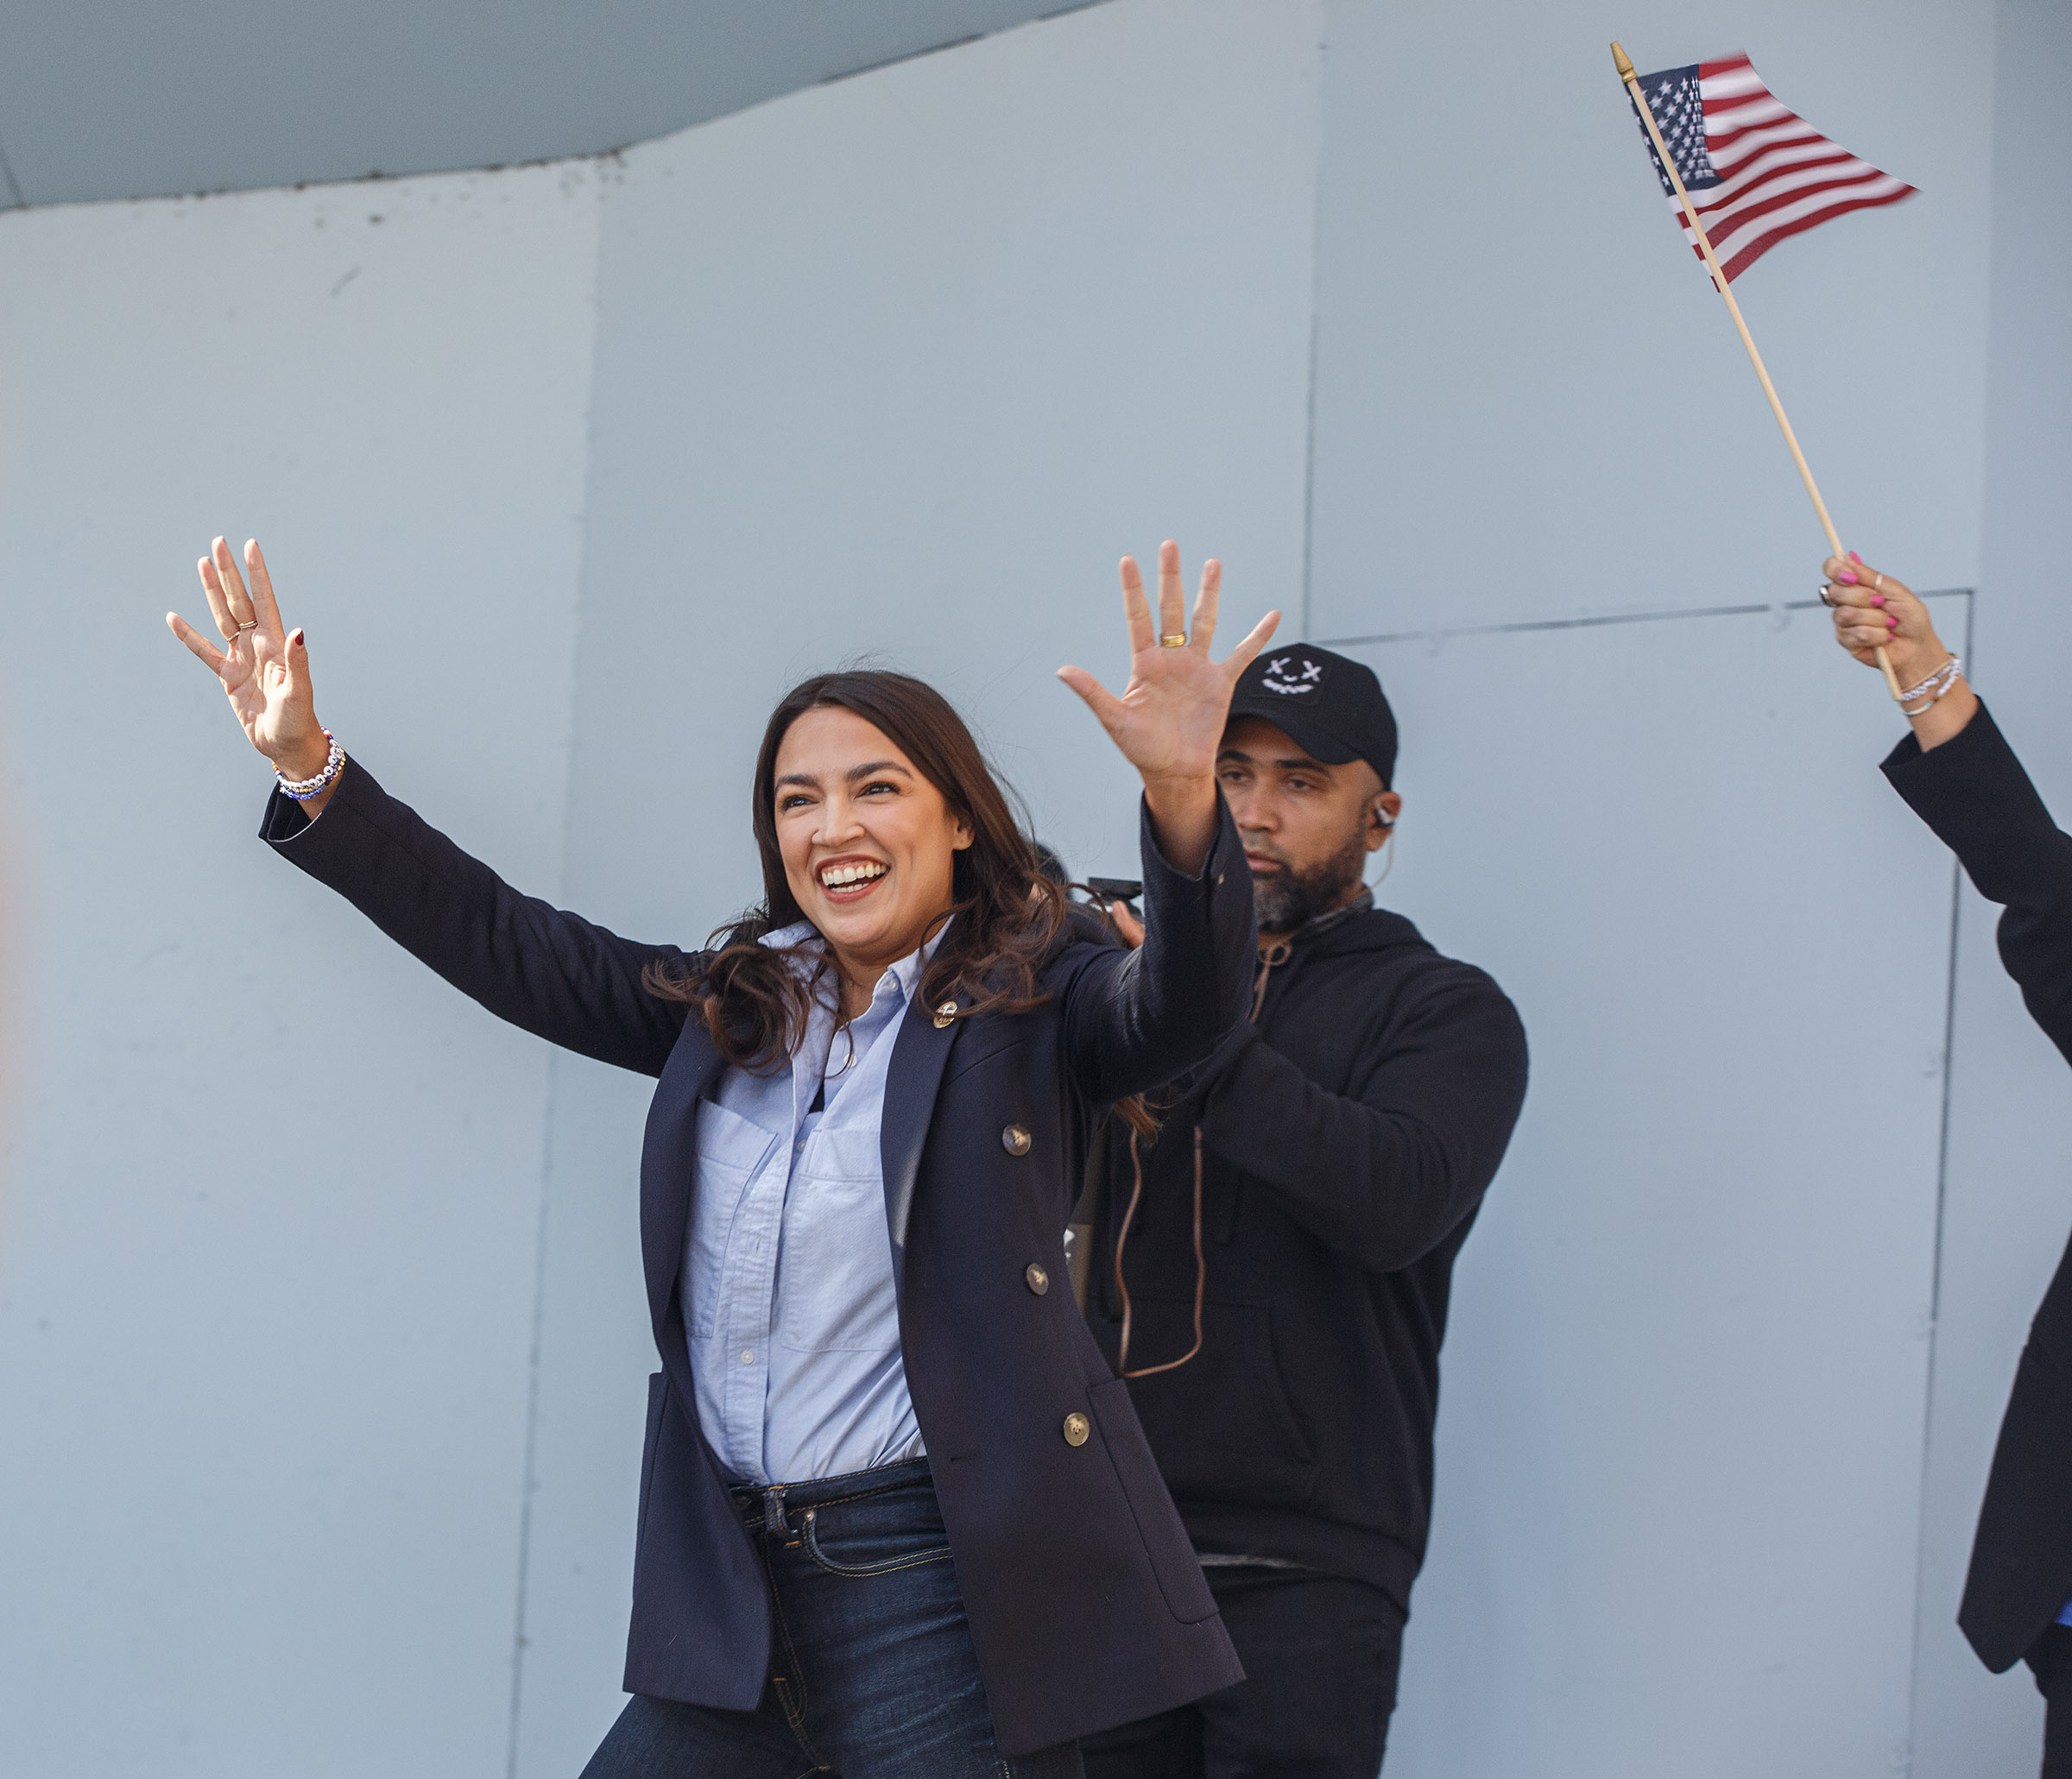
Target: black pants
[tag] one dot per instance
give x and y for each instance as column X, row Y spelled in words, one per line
column 1320, row 1657
column 2050, row 1656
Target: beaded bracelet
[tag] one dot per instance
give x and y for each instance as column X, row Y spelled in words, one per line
column 303, row 789
column 1932, row 689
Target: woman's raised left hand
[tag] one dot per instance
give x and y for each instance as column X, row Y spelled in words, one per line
column 1169, row 720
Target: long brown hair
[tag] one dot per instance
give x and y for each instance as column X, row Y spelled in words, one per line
column 1008, row 915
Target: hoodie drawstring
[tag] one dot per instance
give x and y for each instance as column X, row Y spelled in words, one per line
column 1270, row 958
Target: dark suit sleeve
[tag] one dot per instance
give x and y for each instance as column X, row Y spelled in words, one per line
column 1973, row 792
column 552, row 974
column 1386, row 1174
column 1134, row 1019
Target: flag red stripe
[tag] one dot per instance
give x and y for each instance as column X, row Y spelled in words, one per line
column 1722, row 231
column 1733, row 116
column 1730, row 148
column 1748, row 255
column 1775, row 164
column 1789, row 219
column 1743, row 208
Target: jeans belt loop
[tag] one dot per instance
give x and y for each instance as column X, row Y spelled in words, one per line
column 774, row 1521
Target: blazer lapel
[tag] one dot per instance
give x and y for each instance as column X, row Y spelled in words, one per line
column 918, row 1058
column 669, row 1164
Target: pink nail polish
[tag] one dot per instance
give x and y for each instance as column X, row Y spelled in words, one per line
column 1891, row 623
column 1855, row 559
column 1846, row 578
column 1876, row 599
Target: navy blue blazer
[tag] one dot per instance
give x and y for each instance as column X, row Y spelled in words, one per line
column 1086, row 1603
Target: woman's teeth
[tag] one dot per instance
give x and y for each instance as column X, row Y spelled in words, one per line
column 842, row 874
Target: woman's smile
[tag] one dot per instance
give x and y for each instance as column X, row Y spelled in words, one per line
column 850, row 878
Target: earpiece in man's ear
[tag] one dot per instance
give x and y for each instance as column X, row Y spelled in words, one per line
column 1383, row 817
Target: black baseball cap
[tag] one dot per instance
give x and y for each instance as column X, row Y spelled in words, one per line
column 1331, row 707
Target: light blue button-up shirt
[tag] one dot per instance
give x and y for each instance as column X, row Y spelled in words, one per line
column 790, row 1305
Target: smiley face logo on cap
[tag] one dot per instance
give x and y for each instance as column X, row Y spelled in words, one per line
column 1294, row 675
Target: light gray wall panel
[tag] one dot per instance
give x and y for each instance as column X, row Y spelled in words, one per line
column 2009, row 1197
column 1679, row 1445
column 270, row 1190
column 901, row 366
column 1530, row 402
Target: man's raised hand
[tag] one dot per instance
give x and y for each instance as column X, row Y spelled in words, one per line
column 1169, row 720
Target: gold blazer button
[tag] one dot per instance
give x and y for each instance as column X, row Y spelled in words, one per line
column 1014, row 1139
column 944, row 1013
column 1076, row 1429
column 1040, row 1281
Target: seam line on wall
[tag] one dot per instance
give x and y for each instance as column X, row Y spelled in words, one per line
column 14, row 184
column 1308, row 441
column 1935, row 1288
column 529, row 1479
column 1950, row 1033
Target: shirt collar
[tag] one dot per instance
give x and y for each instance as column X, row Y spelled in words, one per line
column 905, row 974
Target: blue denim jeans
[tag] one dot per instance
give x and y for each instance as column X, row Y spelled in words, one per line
column 872, row 1671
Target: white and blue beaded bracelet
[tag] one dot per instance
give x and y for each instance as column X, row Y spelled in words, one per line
column 303, row 789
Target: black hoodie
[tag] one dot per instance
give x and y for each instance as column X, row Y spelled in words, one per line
column 1346, row 1138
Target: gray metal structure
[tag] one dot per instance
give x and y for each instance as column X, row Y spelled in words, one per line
column 322, row 1344
column 114, row 98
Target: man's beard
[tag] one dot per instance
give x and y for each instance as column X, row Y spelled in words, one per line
column 1289, row 899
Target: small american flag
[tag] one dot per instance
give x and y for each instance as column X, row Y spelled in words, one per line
column 1755, row 172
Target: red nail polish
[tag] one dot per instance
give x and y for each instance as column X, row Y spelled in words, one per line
column 1855, row 559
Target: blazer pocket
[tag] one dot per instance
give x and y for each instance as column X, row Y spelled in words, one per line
column 1164, row 1540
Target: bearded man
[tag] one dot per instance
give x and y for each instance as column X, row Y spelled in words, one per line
column 1270, row 1270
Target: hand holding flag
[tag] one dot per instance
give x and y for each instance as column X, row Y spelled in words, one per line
column 1874, row 611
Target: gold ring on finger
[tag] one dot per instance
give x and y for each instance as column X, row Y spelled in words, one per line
column 1877, row 581
column 249, row 624
column 1174, row 639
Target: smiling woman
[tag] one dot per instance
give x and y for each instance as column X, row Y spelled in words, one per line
column 879, row 1444
column 878, row 821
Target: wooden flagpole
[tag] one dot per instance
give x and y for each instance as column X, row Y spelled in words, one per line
column 1719, row 278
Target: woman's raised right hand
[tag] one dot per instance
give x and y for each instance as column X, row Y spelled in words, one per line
column 1872, row 609
column 263, row 672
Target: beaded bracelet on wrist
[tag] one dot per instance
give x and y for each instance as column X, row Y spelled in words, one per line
column 1931, row 691
column 303, row 789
